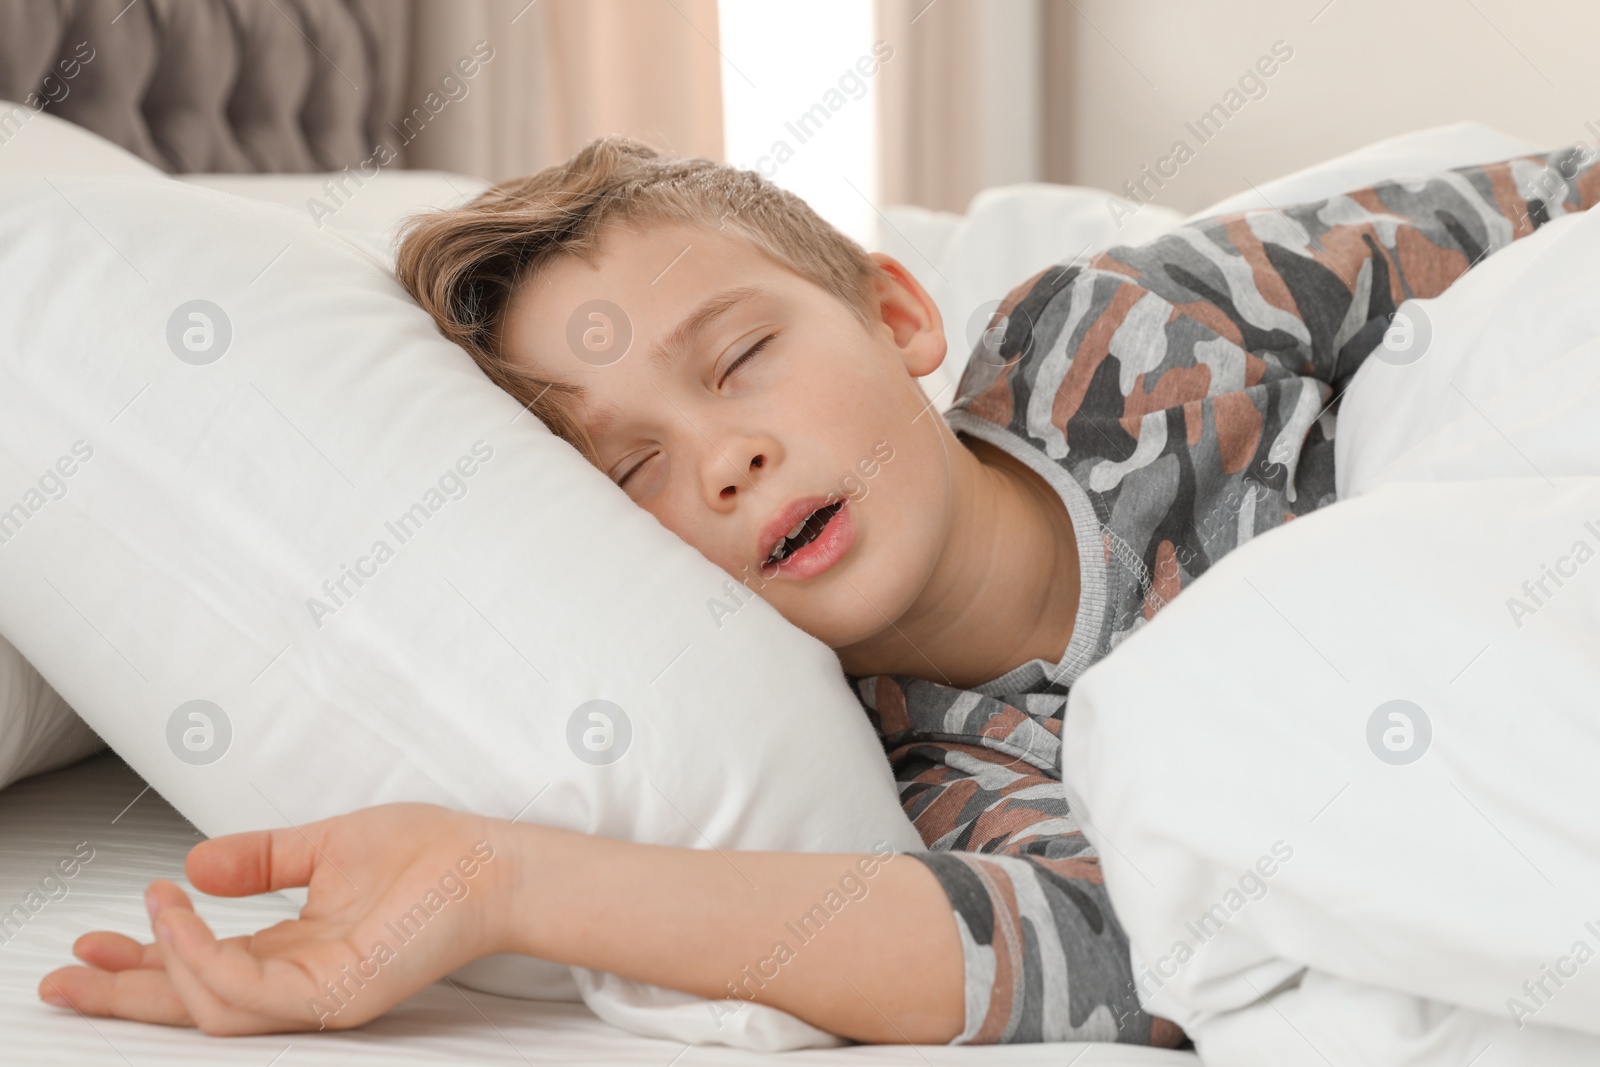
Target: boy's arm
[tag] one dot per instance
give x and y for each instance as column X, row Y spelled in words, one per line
column 401, row 895
column 1190, row 374
column 859, row 945
column 1044, row 955
column 1311, row 288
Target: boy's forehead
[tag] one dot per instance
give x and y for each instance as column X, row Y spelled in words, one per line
column 651, row 256
column 643, row 282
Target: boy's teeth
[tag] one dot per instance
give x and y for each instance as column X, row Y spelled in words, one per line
column 777, row 550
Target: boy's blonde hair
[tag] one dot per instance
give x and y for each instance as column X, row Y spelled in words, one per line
column 462, row 264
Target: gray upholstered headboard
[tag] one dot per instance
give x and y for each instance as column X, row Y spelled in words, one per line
column 216, row 85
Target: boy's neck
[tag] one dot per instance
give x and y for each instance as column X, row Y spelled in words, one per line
column 1005, row 590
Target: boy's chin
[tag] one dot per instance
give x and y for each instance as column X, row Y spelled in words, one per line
column 833, row 632
column 843, row 631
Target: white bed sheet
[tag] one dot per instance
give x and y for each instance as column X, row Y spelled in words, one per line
column 136, row 837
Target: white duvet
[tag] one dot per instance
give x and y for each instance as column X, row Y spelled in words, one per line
column 1347, row 787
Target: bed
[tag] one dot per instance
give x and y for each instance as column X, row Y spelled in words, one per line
column 261, row 146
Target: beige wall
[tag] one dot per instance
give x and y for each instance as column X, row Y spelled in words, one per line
column 1123, row 76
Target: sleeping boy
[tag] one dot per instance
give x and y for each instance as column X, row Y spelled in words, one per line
column 748, row 375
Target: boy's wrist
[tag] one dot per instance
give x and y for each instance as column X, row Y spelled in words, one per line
column 525, row 896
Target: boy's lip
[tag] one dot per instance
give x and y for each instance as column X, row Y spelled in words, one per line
column 827, row 549
column 787, row 519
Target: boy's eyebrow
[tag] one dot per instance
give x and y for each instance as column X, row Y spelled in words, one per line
column 683, row 336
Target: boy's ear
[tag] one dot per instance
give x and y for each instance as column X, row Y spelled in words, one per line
column 909, row 314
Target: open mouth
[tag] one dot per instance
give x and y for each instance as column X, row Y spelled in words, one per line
column 803, row 534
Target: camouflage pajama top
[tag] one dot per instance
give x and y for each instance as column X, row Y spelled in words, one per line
column 1179, row 396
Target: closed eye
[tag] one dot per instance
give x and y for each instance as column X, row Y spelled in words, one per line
column 622, row 481
column 752, row 350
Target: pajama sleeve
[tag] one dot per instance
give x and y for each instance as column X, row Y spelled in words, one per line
column 1045, row 957
column 1311, row 288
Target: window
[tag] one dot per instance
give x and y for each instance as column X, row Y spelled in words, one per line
column 795, row 106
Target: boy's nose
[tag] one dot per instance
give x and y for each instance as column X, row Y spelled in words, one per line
column 756, row 462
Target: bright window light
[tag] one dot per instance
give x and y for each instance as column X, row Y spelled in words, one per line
column 796, row 106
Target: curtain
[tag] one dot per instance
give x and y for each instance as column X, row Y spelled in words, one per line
column 928, row 111
column 559, row 73
column 1061, row 27
column 974, row 96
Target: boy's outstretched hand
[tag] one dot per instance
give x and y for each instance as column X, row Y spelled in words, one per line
column 399, row 895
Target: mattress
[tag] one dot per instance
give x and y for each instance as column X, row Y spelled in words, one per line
column 137, row 837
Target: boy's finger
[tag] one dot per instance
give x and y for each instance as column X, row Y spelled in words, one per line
column 191, row 960
column 110, row 951
column 141, row 995
column 270, row 990
column 162, row 894
column 186, row 937
column 260, row 861
column 227, row 969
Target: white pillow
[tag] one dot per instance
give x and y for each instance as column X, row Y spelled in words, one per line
column 38, row 731
column 37, row 142
column 367, row 209
column 222, row 545
column 1458, row 144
